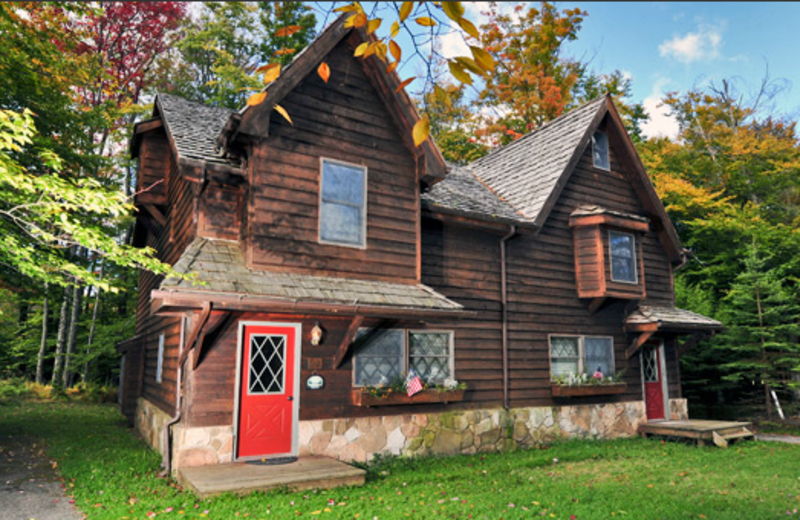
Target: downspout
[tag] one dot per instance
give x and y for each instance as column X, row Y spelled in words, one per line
column 504, row 306
column 167, row 455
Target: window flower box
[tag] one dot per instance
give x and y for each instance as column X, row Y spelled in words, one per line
column 365, row 399
column 587, row 390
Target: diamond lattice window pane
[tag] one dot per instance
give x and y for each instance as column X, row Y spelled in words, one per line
column 429, row 344
column 599, row 355
column 267, row 355
column 563, row 347
column 379, row 356
column 431, row 369
column 650, row 359
column 564, row 356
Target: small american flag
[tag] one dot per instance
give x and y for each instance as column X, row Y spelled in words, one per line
column 413, row 384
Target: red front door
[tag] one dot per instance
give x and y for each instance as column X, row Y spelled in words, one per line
column 653, row 381
column 267, row 394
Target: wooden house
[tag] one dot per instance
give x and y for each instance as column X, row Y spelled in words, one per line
column 332, row 256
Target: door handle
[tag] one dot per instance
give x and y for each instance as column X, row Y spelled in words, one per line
column 290, row 398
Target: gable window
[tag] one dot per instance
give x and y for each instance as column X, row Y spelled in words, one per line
column 581, row 354
column 383, row 356
column 600, row 151
column 343, row 204
column 623, row 257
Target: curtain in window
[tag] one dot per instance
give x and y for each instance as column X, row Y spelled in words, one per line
column 379, row 360
column 599, row 354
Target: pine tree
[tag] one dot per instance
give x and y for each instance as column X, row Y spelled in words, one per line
column 764, row 328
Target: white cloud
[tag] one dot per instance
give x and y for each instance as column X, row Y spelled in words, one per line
column 453, row 45
column 660, row 124
column 703, row 45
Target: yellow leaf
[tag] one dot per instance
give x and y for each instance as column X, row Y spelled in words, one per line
column 404, row 84
column 265, row 68
column 324, row 71
column 371, row 49
column 421, row 130
column 282, row 111
column 287, row 31
column 373, row 25
column 391, row 67
column 360, row 20
column 256, row 99
column 469, row 28
column 395, row 30
column 453, row 10
column 361, row 49
column 425, row 21
column 272, row 74
column 484, row 59
column 352, row 8
column 397, row 53
column 470, row 65
column 281, row 52
column 459, row 73
column 405, row 10
column 350, row 21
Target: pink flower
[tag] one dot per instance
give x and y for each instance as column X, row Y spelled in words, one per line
column 598, row 375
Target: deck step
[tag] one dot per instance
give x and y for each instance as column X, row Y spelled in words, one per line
column 240, row 478
column 739, row 435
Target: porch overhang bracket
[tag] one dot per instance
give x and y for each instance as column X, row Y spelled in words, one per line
column 347, row 340
column 640, row 340
column 195, row 333
column 595, row 304
column 156, row 213
column 693, row 340
column 216, row 320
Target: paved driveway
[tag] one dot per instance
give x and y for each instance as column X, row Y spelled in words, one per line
column 29, row 488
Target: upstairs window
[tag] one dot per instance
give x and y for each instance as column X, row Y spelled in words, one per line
column 600, row 151
column 343, row 204
column 623, row 257
column 581, row 355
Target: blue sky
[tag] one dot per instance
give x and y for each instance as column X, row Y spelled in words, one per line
column 668, row 46
column 676, row 46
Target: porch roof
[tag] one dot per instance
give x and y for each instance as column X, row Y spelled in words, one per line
column 669, row 318
column 224, row 280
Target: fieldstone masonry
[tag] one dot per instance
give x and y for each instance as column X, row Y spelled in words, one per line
column 462, row 431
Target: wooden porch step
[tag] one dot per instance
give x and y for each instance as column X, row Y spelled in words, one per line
column 241, row 478
column 718, row 432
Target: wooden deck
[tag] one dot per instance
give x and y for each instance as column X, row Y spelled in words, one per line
column 718, row 432
column 241, row 478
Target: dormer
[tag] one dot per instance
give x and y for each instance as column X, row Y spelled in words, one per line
column 608, row 253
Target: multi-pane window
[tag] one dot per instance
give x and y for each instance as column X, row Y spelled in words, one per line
column 343, row 204
column 581, row 354
column 160, row 360
column 622, row 248
column 383, row 356
column 267, row 354
column 600, row 151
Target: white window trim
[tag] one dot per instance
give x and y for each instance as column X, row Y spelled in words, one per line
column 581, row 350
column 635, row 258
column 405, row 356
column 322, row 161
column 160, row 360
column 608, row 152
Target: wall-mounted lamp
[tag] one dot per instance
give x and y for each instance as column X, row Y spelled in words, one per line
column 316, row 334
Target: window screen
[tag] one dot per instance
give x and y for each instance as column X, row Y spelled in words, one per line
column 600, row 151
column 342, row 212
column 429, row 355
column 564, row 355
column 599, row 353
column 379, row 356
column 623, row 257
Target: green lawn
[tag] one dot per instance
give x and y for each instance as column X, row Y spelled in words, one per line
column 113, row 475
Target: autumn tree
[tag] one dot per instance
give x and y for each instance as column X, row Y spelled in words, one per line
column 535, row 79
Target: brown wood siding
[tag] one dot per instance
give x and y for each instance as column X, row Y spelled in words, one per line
column 219, row 214
column 170, row 244
column 344, row 120
column 542, row 289
column 154, row 160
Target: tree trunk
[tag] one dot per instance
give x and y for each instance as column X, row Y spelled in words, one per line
column 96, row 309
column 43, row 344
column 77, row 293
column 62, row 337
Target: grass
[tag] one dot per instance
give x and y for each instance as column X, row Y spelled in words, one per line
column 112, row 474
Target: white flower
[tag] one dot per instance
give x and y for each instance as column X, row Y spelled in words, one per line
column 450, row 383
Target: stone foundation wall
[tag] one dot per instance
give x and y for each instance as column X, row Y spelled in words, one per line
column 463, row 431
column 468, row 431
column 150, row 421
column 678, row 409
